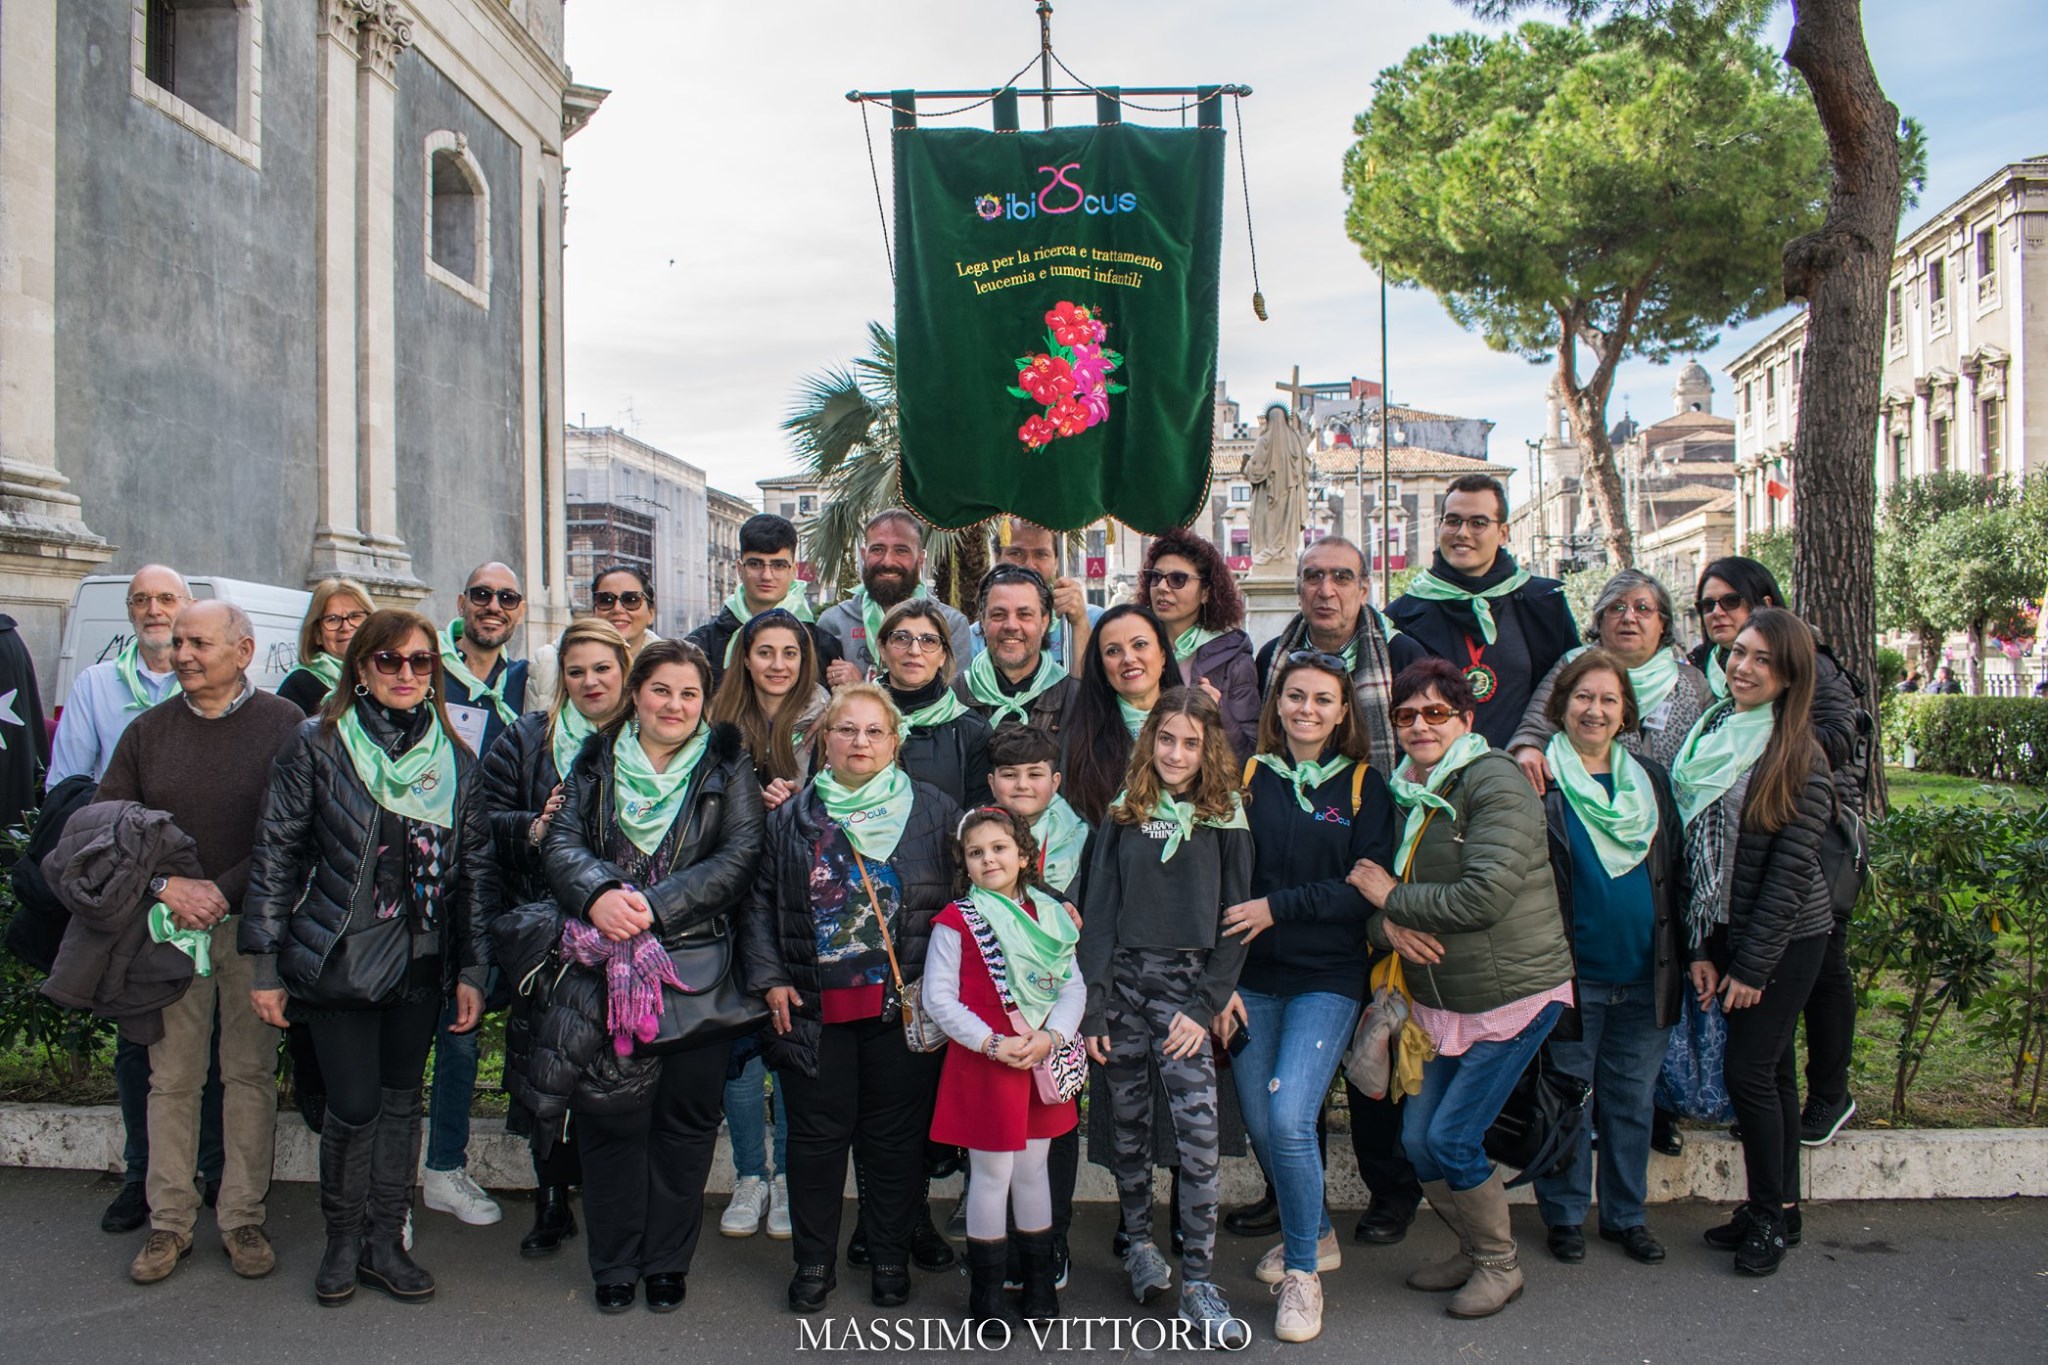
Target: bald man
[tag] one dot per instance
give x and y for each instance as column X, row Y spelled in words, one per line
column 111, row 693
column 204, row 760
column 486, row 691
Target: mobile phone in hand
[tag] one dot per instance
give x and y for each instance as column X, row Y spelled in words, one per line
column 1240, row 1038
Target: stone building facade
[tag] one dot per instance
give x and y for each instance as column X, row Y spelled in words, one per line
column 281, row 294
column 617, row 481
column 726, row 513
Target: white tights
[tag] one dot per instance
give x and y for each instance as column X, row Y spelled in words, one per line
column 997, row 1180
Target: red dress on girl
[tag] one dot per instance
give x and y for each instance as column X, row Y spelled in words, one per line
column 984, row 1105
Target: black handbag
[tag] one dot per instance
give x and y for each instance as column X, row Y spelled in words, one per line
column 364, row 970
column 711, row 1007
column 1537, row 1130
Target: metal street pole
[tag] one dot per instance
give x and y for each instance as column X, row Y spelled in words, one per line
column 1386, row 456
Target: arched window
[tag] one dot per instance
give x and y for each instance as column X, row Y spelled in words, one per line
column 458, row 218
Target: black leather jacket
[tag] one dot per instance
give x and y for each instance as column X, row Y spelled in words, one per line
column 778, row 936
column 518, row 775
column 312, row 873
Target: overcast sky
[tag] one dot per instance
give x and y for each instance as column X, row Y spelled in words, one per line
column 723, row 238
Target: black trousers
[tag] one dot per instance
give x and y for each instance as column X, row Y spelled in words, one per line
column 872, row 1097
column 1762, row 1072
column 563, row 1165
column 643, row 1172
column 366, row 1052
column 1831, row 1024
column 1376, row 1142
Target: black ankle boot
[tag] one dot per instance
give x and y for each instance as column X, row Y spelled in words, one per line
column 345, row 1154
column 553, row 1223
column 985, row 1280
column 1041, row 1301
column 927, row 1247
column 395, row 1156
column 1259, row 1219
column 1763, row 1245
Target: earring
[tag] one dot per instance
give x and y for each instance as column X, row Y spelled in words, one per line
column 362, row 689
column 430, row 694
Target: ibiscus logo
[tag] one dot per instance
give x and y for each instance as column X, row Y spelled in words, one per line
column 1058, row 195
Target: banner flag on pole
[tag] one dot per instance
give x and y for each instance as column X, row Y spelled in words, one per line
column 1056, row 322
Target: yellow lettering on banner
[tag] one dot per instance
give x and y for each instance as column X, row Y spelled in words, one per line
column 1105, row 257
column 1072, row 272
column 1002, row 282
column 1130, row 280
column 976, row 270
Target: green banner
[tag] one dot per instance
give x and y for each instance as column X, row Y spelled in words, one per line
column 1056, row 322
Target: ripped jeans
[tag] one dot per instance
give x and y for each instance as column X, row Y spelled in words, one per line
column 1282, row 1075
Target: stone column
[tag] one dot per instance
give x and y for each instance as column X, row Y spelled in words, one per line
column 45, row 545
column 337, row 537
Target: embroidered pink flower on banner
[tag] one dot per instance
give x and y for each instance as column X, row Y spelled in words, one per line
column 1095, row 403
column 1071, row 379
column 1036, row 433
column 1089, row 366
column 1047, row 379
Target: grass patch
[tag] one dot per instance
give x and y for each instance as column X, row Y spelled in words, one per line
column 1913, row 787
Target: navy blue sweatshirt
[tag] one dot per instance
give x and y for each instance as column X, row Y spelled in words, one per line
column 1317, row 942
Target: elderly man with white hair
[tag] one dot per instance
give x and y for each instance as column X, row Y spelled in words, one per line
column 205, row 761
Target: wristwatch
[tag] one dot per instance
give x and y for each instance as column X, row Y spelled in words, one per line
column 157, row 885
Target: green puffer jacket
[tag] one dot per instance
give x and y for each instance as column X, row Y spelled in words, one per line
column 1482, row 884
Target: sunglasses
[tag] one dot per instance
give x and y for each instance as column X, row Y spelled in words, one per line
column 1172, row 578
column 1727, row 602
column 390, row 663
column 631, row 601
column 480, row 596
column 1437, row 714
column 1330, row 662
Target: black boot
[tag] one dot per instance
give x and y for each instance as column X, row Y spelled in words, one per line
column 1260, row 1219
column 553, row 1223
column 1041, row 1302
column 345, row 1152
column 985, row 1280
column 395, row 1158
column 927, row 1247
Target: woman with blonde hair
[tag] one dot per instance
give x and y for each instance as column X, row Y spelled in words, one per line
column 338, row 608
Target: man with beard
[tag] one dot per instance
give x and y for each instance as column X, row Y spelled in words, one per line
column 767, row 580
column 891, row 571
column 1015, row 680
column 486, row 693
column 1031, row 547
column 1501, row 625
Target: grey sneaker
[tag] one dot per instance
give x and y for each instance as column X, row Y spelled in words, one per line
column 1203, row 1307
column 1148, row 1272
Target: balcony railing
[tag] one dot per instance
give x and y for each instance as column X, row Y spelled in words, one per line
column 1987, row 290
column 1937, row 315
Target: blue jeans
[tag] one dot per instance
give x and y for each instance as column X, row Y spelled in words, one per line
column 746, row 1122
column 1621, row 1053
column 454, row 1085
column 1283, row 1073
column 1445, row 1131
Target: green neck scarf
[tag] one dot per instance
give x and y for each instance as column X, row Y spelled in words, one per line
column 872, row 814
column 128, row 663
column 647, row 801
column 1430, row 588
column 324, row 666
column 1181, row 814
column 1717, row 674
column 1420, row 798
column 196, row 944
column 1304, row 777
column 1060, row 832
column 985, row 685
column 1651, row 682
column 419, row 784
column 1620, row 826
column 940, row 709
column 1134, row 719
column 796, row 602
column 871, row 614
column 1039, row 953
column 1708, row 764
column 569, row 729
column 451, row 659
column 1190, row 640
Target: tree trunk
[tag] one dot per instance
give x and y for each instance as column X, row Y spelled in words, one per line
column 1842, row 271
column 1587, row 405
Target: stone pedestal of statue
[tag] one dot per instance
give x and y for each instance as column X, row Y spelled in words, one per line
column 1270, row 600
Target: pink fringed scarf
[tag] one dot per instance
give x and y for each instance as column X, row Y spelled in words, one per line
column 634, row 973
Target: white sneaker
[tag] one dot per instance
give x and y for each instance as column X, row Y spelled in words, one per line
column 1300, row 1317
column 1273, row 1265
column 749, row 1205
column 454, row 1192
column 778, row 1209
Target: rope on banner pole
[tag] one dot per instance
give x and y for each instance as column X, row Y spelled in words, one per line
column 875, row 174
column 1244, row 180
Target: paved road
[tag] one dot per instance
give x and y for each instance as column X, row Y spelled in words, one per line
column 1916, row 1282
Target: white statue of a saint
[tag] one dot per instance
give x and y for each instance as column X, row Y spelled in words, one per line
column 1279, row 469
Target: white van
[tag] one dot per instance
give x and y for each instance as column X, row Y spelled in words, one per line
column 96, row 626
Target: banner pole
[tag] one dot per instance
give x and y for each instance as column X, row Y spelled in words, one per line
column 1045, row 56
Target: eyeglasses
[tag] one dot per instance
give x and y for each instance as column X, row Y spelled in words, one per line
column 390, row 663
column 923, row 643
column 631, row 601
column 1315, row 578
column 1332, row 662
column 1617, row 610
column 1172, row 578
column 1727, row 602
column 1480, row 525
column 755, row 564
column 1406, row 716
column 849, row 734
column 336, row 620
column 139, row 600
column 480, row 596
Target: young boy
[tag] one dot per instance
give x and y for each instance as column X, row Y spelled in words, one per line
column 1024, row 777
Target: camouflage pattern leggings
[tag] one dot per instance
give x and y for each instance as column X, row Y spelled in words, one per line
column 1147, row 988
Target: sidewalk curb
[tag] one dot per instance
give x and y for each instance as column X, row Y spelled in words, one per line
column 1869, row 1163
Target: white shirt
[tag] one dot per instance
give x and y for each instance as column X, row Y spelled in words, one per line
column 95, row 714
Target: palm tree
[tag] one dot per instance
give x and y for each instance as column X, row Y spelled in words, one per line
column 844, row 429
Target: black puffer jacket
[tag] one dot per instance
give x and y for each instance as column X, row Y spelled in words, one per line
column 952, row 756
column 1777, row 894
column 518, row 776
column 1841, row 722
column 778, row 938
column 716, row 849
column 312, row 873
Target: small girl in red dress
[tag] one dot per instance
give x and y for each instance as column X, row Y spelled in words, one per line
column 1000, row 979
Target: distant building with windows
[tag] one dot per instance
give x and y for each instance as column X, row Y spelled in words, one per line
column 726, row 513
column 618, row 481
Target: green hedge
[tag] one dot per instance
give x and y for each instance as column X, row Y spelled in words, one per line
column 1994, row 739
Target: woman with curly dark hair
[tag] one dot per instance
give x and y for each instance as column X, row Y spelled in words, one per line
column 1128, row 666
column 1188, row 584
